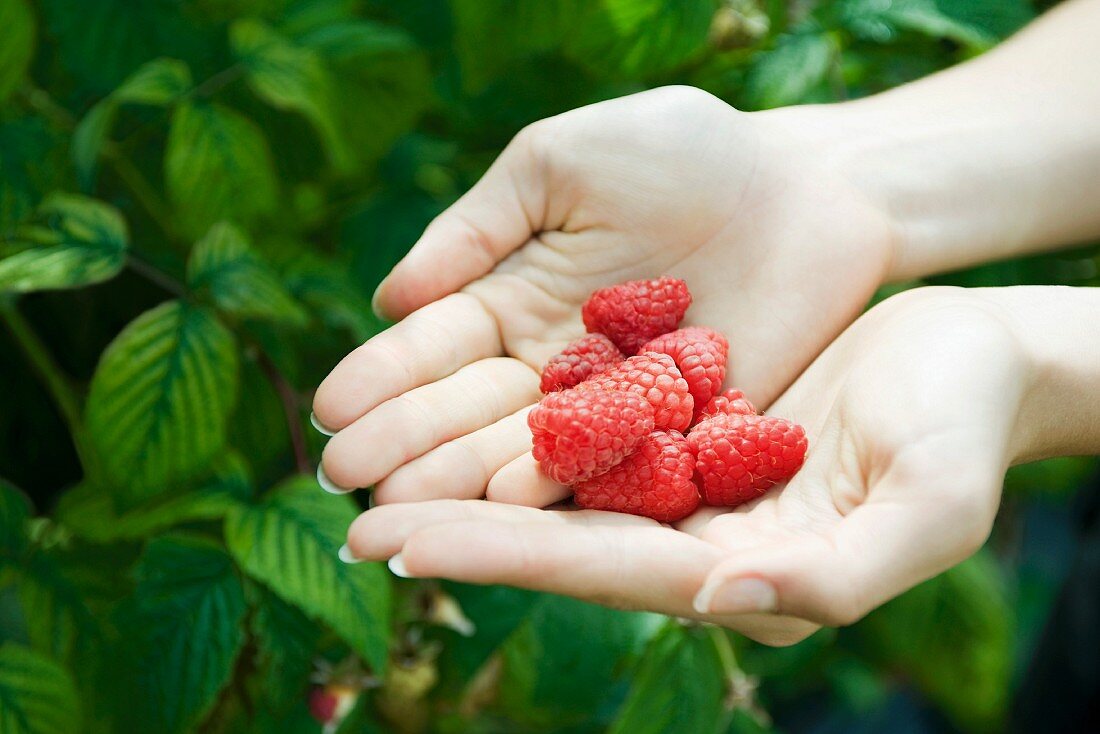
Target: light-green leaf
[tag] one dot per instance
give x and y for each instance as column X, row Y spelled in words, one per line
column 184, row 629
column 224, row 265
column 289, row 542
column 37, row 695
column 291, row 77
column 16, row 44
column 157, row 83
column 879, row 21
column 787, row 73
column 89, row 510
column 160, row 398
column 80, row 241
column 679, row 687
column 217, row 166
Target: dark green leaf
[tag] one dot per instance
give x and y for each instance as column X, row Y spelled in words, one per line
column 679, row 688
column 184, row 630
column 329, row 291
column 879, row 22
column 290, row 541
column 224, row 264
column 632, row 38
column 786, row 74
column 157, row 83
column 562, row 661
column 16, row 44
column 217, row 166
column 36, row 694
column 160, row 398
column 287, row 642
column 291, row 77
column 954, row 637
column 15, row 510
column 81, row 241
column 32, row 163
column 59, row 622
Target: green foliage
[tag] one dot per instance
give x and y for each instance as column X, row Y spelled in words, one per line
column 289, row 542
column 196, row 201
column 160, row 398
column 36, row 694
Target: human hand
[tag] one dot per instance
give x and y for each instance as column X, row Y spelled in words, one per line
column 913, row 414
column 779, row 250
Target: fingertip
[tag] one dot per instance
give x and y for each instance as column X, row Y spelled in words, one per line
column 522, row 482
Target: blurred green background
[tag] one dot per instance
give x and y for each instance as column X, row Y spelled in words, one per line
column 197, row 198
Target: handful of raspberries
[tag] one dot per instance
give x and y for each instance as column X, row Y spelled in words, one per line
column 648, row 433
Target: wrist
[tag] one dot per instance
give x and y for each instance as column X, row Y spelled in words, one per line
column 1059, row 351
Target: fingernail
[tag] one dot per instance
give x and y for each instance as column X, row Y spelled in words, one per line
column 346, row 556
column 328, row 485
column 376, row 299
column 370, row 501
column 397, row 565
column 736, row 596
column 318, row 425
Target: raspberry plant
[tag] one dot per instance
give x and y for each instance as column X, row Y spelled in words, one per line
column 196, row 200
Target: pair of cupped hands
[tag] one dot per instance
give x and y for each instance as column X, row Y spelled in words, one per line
column 910, row 408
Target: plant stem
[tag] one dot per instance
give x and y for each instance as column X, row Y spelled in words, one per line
column 155, row 275
column 58, row 385
column 289, row 399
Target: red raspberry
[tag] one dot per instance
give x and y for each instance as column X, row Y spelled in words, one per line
column 700, row 355
column 655, row 481
column 577, row 435
column 585, row 357
column 730, row 402
column 654, row 377
column 739, row 457
column 634, row 312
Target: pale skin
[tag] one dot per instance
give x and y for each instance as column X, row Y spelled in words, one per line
column 783, row 223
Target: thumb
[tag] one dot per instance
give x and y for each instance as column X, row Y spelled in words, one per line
column 836, row 575
column 466, row 241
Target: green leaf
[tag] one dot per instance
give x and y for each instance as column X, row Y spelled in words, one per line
column 217, row 166
column 224, row 265
column 15, row 511
column 954, row 636
column 289, row 542
column 160, row 398
column 381, row 89
column 287, row 642
column 185, row 628
column 16, row 44
column 157, row 83
column 37, row 695
column 59, row 622
column 90, row 510
column 81, row 241
column 560, row 664
column 632, row 38
column 679, row 687
column 490, row 35
column 787, row 74
column 291, row 77
column 33, row 159
column 880, row 22
column 328, row 290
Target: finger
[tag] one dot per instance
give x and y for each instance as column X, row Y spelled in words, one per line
column 459, row 469
column 430, row 344
column 522, row 482
column 379, row 533
column 496, row 216
column 411, row 424
column 635, row 567
column 835, row 577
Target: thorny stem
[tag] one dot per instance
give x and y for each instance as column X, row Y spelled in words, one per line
column 59, row 386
